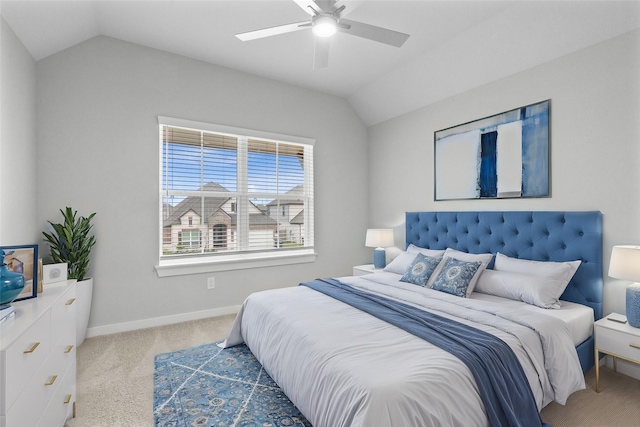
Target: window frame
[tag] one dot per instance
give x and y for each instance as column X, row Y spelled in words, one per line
column 234, row 260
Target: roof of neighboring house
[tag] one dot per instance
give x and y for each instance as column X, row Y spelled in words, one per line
column 298, row 219
column 211, row 206
column 255, row 219
column 298, row 190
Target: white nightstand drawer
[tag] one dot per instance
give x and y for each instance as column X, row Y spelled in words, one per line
column 618, row 343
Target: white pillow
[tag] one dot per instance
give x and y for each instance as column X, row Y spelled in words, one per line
column 540, row 291
column 485, row 259
column 413, row 249
column 563, row 271
column 400, row 263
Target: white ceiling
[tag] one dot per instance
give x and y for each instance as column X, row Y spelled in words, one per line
column 454, row 45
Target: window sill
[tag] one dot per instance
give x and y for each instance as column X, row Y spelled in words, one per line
column 183, row 266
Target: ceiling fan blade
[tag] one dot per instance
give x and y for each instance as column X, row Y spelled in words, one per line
column 371, row 32
column 308, row 6
column 273, row 31
column 321, row 54
column 350, row 6
column 328, row 6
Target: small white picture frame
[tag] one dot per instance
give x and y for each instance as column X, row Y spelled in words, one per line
column 53, row 273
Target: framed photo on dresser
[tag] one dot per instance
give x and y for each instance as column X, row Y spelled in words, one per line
column 23, row 259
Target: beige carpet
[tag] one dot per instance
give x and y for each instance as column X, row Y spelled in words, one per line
column 115, row 380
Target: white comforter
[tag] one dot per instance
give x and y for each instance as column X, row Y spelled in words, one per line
column 344, row 367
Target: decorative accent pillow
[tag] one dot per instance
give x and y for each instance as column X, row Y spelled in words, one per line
column 413, row 249
column 400, row 263
column 455, row 276
column 485, row 259
column 420, row 270
column 561, row 271
column 534, row 290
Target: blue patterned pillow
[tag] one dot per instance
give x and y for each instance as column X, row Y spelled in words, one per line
column 420, row 269
column 455, row 276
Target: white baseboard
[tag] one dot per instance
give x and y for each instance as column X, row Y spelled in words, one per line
column 160, row 321
column 624, row 367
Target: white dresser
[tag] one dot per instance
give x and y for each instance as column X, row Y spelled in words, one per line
column 38, row 360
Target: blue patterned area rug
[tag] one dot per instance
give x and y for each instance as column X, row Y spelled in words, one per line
column 210, row 386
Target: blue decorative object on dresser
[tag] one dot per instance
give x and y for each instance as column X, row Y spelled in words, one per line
column 11, row 283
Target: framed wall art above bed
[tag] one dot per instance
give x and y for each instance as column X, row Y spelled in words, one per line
column 502, row 156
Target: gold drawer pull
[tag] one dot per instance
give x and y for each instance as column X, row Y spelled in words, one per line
column 71, row 301
column 68, row 350
column 68, row 399
column 32, row 349
column 53, row 380
column 635, row 346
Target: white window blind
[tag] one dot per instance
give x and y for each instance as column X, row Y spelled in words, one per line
column 230, row 191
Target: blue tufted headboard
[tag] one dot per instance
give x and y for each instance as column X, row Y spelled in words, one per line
column 535, row 235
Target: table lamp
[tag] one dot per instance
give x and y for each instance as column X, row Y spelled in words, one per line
column 625, row 265
column 379, row 238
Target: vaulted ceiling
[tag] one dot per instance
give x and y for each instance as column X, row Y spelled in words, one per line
column 453, row 46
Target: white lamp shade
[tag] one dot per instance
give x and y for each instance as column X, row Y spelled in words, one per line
column 379, row 238
column 625, row 263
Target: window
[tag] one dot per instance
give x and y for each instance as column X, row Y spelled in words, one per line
column 189, row 239
column 229, row 194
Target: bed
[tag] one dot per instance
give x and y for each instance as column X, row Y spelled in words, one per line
column 345, row 366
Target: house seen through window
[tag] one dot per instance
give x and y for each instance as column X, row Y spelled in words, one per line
column 227, row 193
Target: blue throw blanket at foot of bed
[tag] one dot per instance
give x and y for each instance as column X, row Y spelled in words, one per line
column 503, row 386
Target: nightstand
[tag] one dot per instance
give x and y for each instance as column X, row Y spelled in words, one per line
column 618, row 340
column 361, row 270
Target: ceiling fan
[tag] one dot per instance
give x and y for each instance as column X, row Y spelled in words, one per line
column 326, row 20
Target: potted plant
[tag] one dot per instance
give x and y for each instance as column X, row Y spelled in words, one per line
column 70, row 242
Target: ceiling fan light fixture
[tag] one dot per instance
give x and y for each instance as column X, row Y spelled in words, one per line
column 325, row 26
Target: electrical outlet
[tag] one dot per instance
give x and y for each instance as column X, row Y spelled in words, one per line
column 211, row 282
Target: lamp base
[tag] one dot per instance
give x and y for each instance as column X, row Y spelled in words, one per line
column 633, row 305
column 379, row 258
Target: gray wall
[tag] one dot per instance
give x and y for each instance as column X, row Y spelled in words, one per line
column 97, row 151
column 17, row 141
column 97, row 107
column 595, row 145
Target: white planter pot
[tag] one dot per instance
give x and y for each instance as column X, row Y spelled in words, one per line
column 84, row 294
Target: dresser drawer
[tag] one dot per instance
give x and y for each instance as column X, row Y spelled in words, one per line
column 23, row 359
column 61, row 406
column 618, row 343
column 63, row 316
column 30, row 405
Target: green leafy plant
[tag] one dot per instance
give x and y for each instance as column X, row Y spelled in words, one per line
column 70, row 242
